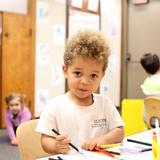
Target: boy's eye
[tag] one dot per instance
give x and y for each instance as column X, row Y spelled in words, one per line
column 94, row 76
column 77, row 73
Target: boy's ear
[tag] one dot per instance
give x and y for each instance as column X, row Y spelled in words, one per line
column 64, row 67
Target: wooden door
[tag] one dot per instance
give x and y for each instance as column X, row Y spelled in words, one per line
column 18, row 56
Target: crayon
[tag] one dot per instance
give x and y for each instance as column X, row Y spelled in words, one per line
column 104, row 152
column 105, row 146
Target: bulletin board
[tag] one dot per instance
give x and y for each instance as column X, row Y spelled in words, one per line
column 83, row 14
column 50, row 47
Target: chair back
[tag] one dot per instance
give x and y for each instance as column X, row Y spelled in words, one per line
column 152, row 109
column 29, row 141
column 132, row 116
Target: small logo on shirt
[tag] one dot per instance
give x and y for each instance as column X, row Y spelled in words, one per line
column 99, row 123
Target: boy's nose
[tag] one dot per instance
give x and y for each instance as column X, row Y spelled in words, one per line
column 85, row 80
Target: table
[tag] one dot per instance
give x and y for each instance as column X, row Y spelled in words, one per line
column 125, row 155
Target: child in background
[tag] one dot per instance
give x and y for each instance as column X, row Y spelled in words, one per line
column 16, row 113
column 151, row 85
column 81, row 116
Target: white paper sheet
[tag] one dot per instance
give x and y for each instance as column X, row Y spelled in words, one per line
column 87, row 155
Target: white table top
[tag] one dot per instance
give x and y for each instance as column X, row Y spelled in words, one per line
column 125, row 155
column 143, row 136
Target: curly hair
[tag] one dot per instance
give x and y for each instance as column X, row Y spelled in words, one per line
column 87, row 43
column 150, row 63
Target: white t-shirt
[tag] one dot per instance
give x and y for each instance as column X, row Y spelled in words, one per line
column 151, row 85
column 78, row 122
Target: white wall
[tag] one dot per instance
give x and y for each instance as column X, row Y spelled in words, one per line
column 17, row 6
column 50, row 45
column 111, row 27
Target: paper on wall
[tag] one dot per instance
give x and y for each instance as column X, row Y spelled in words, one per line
column 42, row 53
column 42, row 12
column 41, row 100
column 56, row 74
column 93, row 5
column 77, row 3
column 58, row 35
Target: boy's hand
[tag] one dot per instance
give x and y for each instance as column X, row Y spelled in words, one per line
column 91, row 143
column 62, row 144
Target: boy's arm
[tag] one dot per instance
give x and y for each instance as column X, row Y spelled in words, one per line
column 55, row 145
column 115, row 135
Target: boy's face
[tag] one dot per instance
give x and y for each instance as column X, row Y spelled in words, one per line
column 15, row 106
column 84, row 76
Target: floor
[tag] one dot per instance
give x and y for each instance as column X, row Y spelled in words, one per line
column 7, row 151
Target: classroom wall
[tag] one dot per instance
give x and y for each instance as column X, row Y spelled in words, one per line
column 50, row 45
column 111, row 23
column 50, row 42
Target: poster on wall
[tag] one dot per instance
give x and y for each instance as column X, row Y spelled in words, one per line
column 42, row 12
column 42, row 54
column 77, row 3
column 56, row 75
column 93, row 5
column 79, row 20
column 42, row 100
column 58, row 34
column 112, row 26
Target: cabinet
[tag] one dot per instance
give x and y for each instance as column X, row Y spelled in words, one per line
column 17, row 56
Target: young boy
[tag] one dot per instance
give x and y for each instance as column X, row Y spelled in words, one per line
column 81, row 116
column 151, row 85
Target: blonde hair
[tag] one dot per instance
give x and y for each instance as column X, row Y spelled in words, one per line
column 12, row 96
column 87, row 43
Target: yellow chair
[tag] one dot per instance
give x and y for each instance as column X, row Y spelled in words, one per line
column 29, row 141
column 152, row 109
column 132, row 116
